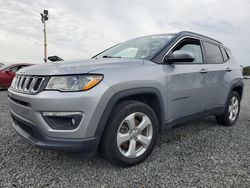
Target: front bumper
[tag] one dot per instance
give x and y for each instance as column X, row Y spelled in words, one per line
column 27, row 111
column 32, row 135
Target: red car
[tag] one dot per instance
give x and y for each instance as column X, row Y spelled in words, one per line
column 8, row 72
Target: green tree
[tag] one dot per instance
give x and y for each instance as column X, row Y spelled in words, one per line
column 246, row 70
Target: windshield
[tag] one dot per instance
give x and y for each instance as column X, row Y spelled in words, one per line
column 139, row 48
column 4, row 67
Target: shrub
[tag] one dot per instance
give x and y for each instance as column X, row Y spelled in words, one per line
column 246, row 71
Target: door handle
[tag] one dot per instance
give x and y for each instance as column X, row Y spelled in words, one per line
column 203, row 71
column 228, row 69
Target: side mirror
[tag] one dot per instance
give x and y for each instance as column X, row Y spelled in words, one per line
column 180, row 56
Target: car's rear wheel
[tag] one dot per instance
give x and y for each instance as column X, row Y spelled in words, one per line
column 231, row 114
column 131, row 133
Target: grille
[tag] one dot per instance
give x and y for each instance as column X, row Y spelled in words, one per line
column 27, row 84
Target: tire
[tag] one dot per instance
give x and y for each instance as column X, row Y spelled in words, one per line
column 231, row 113
column 131, row 150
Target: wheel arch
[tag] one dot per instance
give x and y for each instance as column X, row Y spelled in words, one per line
column 148, row 95
column 238, row 86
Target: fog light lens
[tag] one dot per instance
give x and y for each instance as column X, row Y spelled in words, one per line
column 63, row 120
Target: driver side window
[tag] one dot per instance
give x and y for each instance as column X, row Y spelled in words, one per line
column 193, row 46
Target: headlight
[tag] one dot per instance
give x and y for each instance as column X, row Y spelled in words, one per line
column 73, row 82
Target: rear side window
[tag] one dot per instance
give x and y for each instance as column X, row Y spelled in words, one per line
column 212, row 53
column 224, row 54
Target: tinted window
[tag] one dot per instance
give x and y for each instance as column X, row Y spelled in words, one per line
column 228, row 53
column 20, row 67
column 4, row 67
column 193, row 46
column 196, row 49
column 13, row 69
column 224, row 54
column 212, row 53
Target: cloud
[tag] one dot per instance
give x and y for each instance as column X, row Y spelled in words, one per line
column 81, row 28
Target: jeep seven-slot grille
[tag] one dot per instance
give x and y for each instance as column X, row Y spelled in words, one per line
column 27, row 84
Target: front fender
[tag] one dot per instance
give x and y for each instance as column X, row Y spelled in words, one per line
column 123, row 94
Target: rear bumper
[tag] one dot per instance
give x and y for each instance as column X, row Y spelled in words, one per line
column 87, row 146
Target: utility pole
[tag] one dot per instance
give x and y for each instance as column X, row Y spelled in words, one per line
column 44, row 18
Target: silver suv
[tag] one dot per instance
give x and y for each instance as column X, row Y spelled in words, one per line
column 122, row 98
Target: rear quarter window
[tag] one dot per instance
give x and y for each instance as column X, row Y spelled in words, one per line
column 224, row 54
column 212, row 53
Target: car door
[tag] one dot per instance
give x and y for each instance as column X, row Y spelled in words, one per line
column 218, row 66
column 187, row 82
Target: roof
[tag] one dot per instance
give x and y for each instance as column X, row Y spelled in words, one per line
column 186, row 33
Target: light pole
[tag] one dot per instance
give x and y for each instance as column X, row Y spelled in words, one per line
column 44, row 18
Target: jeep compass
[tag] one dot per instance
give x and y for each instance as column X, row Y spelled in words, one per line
column 119, row 101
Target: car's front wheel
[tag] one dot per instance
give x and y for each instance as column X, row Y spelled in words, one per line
column 131, row 133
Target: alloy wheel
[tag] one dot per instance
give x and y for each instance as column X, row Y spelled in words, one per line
column 233, row 108
column 134, row 135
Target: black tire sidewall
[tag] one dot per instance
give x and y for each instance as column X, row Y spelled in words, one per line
column 118, row 115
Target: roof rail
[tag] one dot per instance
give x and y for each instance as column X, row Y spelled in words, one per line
column 189, row 32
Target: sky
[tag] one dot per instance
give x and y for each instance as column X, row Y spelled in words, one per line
column 82, row 28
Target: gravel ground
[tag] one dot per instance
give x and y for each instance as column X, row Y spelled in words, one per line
column 199, row 154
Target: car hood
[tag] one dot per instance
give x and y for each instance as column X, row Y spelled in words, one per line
column 79, row 67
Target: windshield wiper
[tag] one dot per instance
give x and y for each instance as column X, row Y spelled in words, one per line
column 109, row 56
